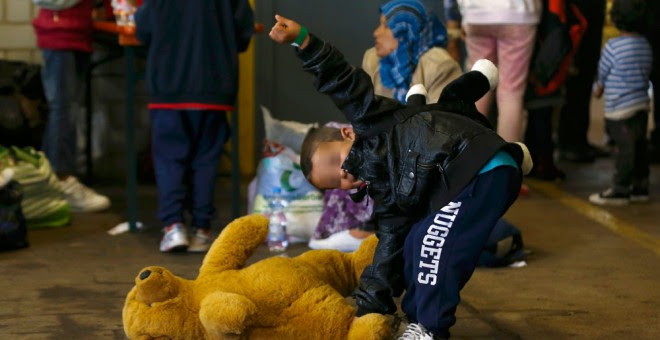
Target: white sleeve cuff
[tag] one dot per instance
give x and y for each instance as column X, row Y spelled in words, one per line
column 489, row 70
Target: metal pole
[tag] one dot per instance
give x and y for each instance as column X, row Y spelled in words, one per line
column 131, row 161
column 235, row 168
column 88, row 123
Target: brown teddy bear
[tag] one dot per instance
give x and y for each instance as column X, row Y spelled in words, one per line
column 276, row 298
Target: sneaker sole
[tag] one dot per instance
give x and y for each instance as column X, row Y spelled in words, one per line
column 176, row 249
column 618, row 202
column 639, row 199
column 90, row 208
column 198, row 250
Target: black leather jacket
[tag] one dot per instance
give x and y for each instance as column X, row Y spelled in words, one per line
column 413, row 159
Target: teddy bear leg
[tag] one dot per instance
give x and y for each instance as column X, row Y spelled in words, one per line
column 224, row 314
column 370, row 326
column 319, row 313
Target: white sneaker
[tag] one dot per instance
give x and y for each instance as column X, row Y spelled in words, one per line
column 342, row 241
column 415, row 331
column 201, row 241
column 81, row 198
column 175, row 238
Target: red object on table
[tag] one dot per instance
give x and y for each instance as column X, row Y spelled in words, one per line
column 126, row 33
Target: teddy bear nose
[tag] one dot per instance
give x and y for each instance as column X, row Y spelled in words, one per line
column 145, row 274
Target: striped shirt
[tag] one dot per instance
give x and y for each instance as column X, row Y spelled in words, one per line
column 624, row 70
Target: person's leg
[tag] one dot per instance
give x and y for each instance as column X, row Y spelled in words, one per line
column 481, row 44
column 63, row 81
column 653, row 37
column 59, row 80
column 640, row 177
column 538, row 138
column 210, row 132
column 575, row 114
column 618, row 193
column 515, row 44
column 170, row 137
column 442, row 250
column 655, row 80
column 627, row 134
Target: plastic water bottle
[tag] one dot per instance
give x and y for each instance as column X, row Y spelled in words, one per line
column 278, row 240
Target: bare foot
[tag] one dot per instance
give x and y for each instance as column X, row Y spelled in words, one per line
column 357, row 233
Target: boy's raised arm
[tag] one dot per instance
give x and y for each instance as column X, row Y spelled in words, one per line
column 349, row 87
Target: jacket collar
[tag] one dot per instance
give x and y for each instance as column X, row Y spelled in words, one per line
column 353, row 164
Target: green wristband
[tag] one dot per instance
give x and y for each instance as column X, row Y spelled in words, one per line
column 301, row 37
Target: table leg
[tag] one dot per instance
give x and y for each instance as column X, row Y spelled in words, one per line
column 131, row 154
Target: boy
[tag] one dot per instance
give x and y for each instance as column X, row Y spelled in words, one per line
column 192, row 79
column 623, row 74
column 439, row 176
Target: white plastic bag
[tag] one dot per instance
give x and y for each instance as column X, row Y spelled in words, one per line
column 279, row 168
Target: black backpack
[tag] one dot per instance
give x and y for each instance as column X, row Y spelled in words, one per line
column 13, row 230
column 23, row 106
column 558, row 37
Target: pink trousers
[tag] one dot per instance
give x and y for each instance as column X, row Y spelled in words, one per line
column 510, row 48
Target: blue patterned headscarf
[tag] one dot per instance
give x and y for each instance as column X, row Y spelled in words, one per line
column 416, row 30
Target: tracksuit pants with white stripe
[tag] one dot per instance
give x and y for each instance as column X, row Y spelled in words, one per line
column 441, row 251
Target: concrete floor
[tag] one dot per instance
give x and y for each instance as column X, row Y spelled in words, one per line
column 593, row 273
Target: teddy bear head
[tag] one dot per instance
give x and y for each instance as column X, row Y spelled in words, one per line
column 160, row 306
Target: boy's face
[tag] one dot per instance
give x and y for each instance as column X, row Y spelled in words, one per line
column 384, row 39
column 327, row 161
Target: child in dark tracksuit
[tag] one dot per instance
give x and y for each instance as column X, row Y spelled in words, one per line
column 440, row 178
column 192, row 80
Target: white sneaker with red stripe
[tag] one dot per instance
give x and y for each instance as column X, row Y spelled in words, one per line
column 175, row 238
column 201, row 241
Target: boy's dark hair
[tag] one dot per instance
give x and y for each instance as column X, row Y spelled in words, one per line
column 311, row 142
column 629, row 15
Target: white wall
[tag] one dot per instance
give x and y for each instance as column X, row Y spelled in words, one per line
column 17, row 39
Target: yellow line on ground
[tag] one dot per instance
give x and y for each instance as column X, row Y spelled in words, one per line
column 601, row 216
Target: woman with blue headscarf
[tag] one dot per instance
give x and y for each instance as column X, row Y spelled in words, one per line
column 408, row 50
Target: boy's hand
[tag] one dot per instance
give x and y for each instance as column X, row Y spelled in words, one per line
column 598, row 90
column 285, row 31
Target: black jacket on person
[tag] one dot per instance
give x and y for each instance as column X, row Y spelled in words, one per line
column 414, row 159
column 193, row 48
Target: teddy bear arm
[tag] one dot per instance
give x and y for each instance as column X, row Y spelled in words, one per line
column 371, row 326
column 235, row 244
column 224, row 313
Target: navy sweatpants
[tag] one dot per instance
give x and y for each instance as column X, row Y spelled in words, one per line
column 441, row 251
column 186, row 148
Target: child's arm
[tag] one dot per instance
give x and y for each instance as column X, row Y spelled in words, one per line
column 383, row 278
column 604, row 66
column 243, row 24
column 349, row 87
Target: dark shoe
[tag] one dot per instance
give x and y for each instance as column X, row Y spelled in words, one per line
column 610, row 197
column 547, row 172
column 598, row 151
column 577, row 155
column 639, row 195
